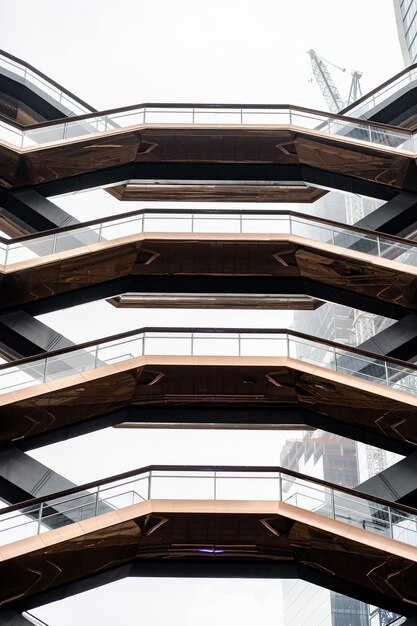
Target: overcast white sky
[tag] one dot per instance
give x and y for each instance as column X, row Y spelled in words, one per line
column 238, row 51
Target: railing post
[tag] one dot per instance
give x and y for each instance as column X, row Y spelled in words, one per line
column 6, row 256
column 378, row 243
column 54, row 243
column 215, row 486
column 391, row 528
column 333, row 505
column 149, row 485
column 239, row 347
column 241, row 116
column 97, row 501
column 192, row 344
column 96, row 357
column 40, row 518
column 144, row 115
column 333, row 235
column 386, row 373
column 193, row 115
column 100, row 233
column 335, row 359
column 45, row 369
column 280, row 486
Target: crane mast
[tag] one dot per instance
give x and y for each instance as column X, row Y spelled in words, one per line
column 328, row 87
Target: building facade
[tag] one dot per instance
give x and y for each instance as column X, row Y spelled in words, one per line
column 406, row 18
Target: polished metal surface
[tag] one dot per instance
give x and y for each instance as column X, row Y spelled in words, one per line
column 379, row 569
column 208, row 192
column 215, row 301
column 157, row 145
column 360, row 262
column 344, row 384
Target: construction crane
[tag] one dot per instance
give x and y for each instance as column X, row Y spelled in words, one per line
column 327, row 85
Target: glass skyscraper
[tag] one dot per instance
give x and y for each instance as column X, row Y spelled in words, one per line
column 406, row 17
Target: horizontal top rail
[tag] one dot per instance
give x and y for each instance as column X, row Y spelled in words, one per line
column 214, row 212
column 212, row 331
column 205, row 468
column 228, row 224
column 326, row 115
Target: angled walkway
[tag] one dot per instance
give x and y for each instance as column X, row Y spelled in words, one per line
column 263, row 519
column 154, row 135
column 159, row 243
column 203, row 367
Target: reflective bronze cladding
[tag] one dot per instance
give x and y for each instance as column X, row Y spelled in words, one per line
column 215, row 301
column 208, row 192
column 211, row 254
column 209, row 381
column 189, row 145
column 372, row 567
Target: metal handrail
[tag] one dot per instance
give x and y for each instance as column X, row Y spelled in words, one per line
column 159, row 329
column 216, row 212
column 204, row 468
column 205, row 106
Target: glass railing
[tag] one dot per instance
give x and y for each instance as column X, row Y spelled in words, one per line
column 154, row 222
column 208, row 115
column 38, row 81
column 210, row 484
column 14, row 376
column 376, row 98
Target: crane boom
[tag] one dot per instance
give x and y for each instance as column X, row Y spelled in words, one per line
column 327, row 86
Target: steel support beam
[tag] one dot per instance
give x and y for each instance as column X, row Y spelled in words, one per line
column 22, row 335
column 23, row 478
column 397, row 483
column 32, row 212
column 398, row 341
column 394, row 217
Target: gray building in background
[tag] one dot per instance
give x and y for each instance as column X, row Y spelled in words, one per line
column 343, row 462
column 335, row 459
column 406, row 17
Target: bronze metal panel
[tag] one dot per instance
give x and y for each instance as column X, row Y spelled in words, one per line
column 226, row 144
column 211, row 254
column 215, row 301
column 219, row 531
column 279, row 192
column 181, row 381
